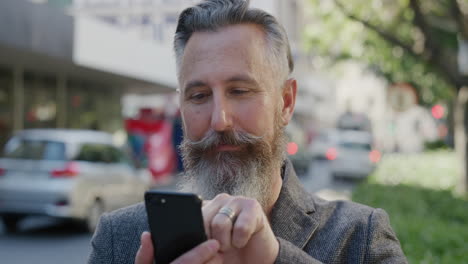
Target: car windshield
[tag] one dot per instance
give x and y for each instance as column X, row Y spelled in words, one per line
column 355, row 145
column 35, row 149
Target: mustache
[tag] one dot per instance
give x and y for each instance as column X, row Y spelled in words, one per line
column 213, row 139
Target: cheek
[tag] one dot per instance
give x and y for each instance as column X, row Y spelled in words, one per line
column 196, row 123
column 257, row 118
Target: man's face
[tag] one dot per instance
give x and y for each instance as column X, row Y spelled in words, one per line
column 232, row 109
column 226, row 84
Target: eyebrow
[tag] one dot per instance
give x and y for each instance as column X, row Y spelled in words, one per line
column 242, row 78
column 193, row 84
column 235, row 78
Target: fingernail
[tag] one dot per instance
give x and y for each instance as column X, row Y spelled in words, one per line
column 213, row 245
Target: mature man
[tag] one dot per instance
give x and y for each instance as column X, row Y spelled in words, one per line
column 236, row 97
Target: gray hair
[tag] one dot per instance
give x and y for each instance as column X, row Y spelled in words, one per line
column 211, row 15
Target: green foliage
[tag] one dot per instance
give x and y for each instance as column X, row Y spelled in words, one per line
column 434, row 170
column 416, row 191
column 430, row 224
column 334, row 36
column 436, row 145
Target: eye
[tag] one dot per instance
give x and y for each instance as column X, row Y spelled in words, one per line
column 238, row 91
column 199, row 97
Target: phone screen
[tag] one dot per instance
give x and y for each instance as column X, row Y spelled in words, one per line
column 176, row 223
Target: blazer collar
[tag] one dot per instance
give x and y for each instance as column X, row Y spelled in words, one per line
column 292, row 217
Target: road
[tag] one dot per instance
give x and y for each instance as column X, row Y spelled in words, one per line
column 44, row 240
column 319, row 181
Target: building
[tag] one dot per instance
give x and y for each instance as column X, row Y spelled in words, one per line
column 85, row 63
column 58, row 70
column 156, row 20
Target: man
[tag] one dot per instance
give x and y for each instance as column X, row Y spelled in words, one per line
column 236, row 98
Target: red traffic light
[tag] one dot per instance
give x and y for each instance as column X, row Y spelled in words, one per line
column 438, row 111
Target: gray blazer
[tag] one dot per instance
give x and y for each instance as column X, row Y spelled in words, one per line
column 309, row 230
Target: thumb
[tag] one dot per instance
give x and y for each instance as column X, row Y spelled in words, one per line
column 145, row 254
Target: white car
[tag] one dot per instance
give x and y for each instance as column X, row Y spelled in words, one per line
column 71, row 174
column 325, row 140
column 350, row 152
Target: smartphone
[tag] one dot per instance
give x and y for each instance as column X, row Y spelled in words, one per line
column 176, row 223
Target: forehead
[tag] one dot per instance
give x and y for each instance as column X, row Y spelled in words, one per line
column 238, row 49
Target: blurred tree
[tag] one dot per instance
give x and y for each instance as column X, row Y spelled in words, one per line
column 412, row 41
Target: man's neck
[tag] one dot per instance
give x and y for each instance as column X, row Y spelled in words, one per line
column 275, row 191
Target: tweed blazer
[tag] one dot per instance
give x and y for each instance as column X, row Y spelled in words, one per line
column 309, row 230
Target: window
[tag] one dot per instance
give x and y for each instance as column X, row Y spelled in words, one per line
column 35, row 149
column 91, row 153
column 40, row 102
column 100, row 153
column 356, row 146
column 93, row 106
column 111, row 155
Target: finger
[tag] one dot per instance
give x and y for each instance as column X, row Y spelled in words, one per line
column 217, row 259
column 145, row 254
column 222, row 225
column 205, row 202
column 221, row 229
column 206, row 211
column 200, row 254
column 211, row 209
column 248, row 222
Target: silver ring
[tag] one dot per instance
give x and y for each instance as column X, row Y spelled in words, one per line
column 228, row 212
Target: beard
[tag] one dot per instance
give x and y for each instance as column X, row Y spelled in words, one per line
column 248, row 171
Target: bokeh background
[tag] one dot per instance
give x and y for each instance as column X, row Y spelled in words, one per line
column 382, row 83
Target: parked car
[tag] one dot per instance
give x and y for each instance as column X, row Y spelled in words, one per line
column 350, row 152
column 70, row 174
column 354, row 156
column 325, row 140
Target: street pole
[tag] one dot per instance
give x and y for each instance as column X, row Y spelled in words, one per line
column 461, row 105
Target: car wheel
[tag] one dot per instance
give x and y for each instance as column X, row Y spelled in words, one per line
column 94, row 213
column 11, row 223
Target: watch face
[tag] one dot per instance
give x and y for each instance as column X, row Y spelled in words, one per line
column 402, row 97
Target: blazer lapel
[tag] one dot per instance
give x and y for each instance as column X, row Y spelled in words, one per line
column 292, row 216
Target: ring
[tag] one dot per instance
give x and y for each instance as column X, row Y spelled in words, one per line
column 228, row 212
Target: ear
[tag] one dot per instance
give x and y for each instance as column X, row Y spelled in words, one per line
column 289, row 100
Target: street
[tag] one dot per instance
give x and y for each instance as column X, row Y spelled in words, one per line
column 319, row 181
column 45, row 240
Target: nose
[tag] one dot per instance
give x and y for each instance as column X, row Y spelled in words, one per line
column 221, row 119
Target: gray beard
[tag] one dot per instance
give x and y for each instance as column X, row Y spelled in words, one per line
column 248, row 172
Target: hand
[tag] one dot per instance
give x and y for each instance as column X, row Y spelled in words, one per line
column 247, row 238
column 206, row 252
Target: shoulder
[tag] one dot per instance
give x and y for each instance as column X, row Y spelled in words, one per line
column 117, row 236
column 344, row 213
column 127, row 222
column 360, row 231
column 135, row 214
column 353, row 222
column 342, row 206
column 345, row 229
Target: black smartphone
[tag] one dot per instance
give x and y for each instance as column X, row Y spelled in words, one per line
column 176, row 223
